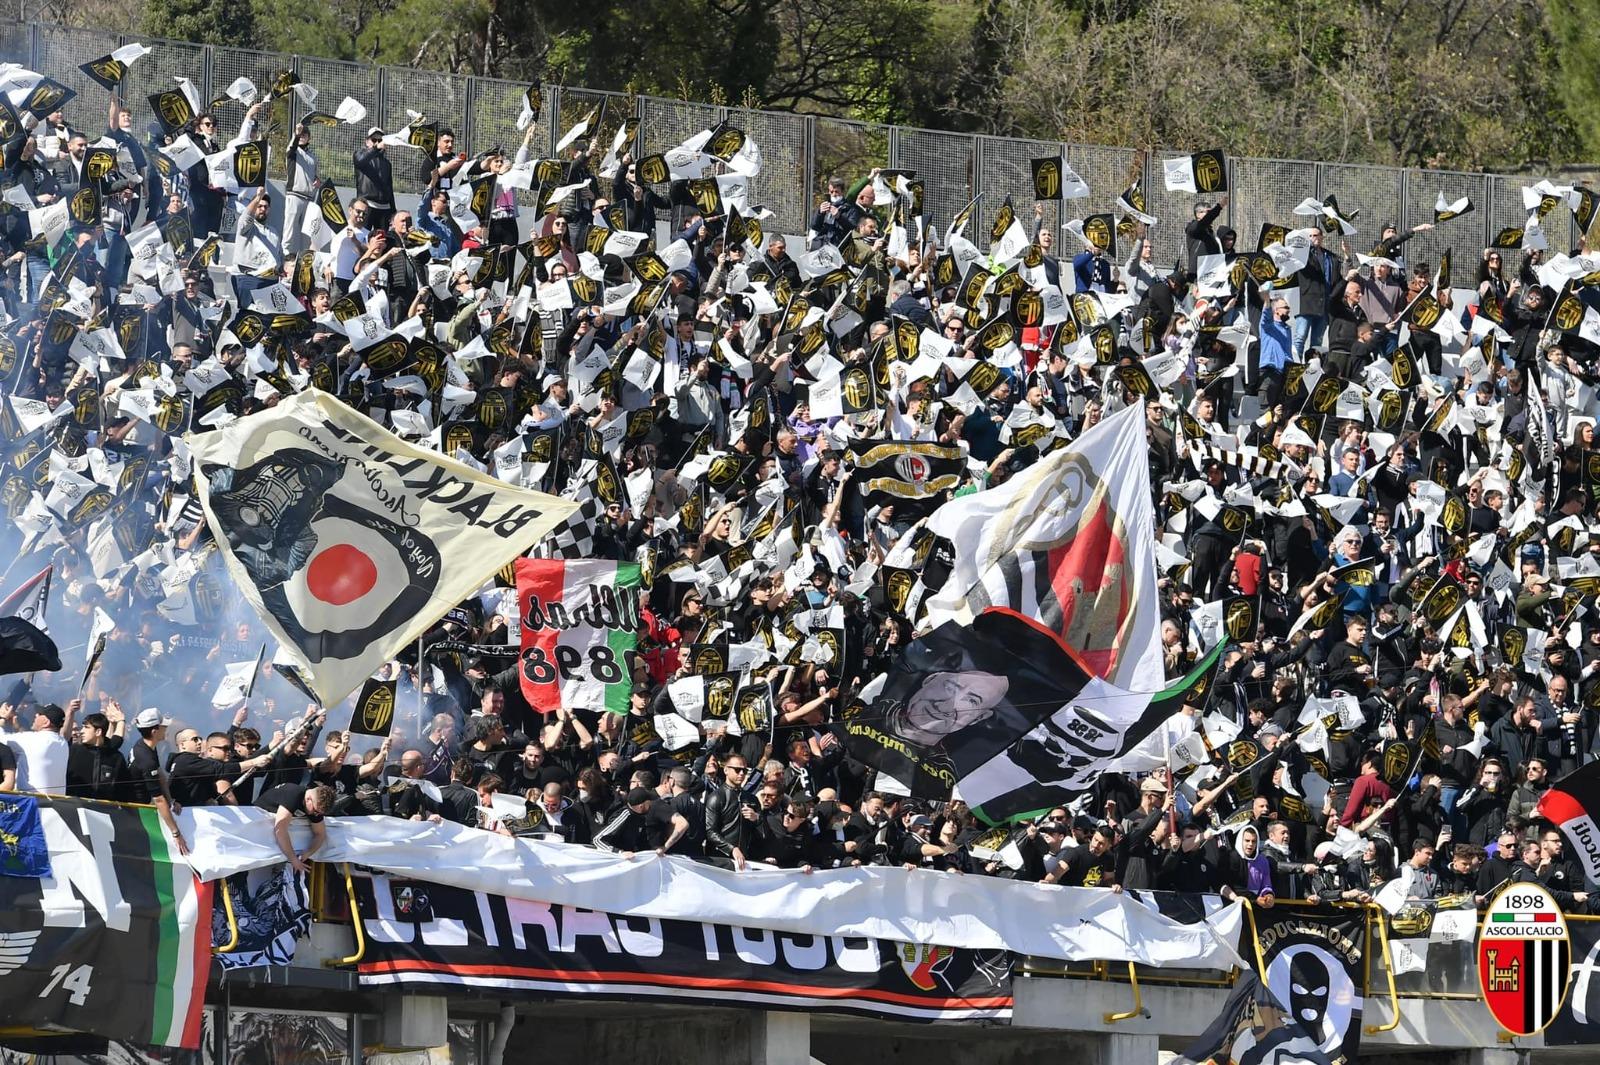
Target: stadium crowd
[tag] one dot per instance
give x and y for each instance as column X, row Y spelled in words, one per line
column 1476, row 480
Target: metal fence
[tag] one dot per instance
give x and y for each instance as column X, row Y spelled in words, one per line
column 799, row 152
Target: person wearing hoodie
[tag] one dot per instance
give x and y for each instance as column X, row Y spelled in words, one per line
column 550, row 812
column 1246, row 869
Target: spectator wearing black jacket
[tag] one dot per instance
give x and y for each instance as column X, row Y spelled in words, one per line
column 788, row 840
column 836, row 217
column 96, row 768
column 375, row 180
column 730, row 815
column 1200, row 236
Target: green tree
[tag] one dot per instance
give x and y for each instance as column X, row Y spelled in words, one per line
column 228, row 22
column 1575, row 48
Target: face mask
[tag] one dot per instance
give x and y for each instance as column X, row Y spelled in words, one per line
column 836, row 200
column 583, row 796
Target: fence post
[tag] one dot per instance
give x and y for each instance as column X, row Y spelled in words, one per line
column 894, row 148
column 977, row 171
column 553, row 105
column 380, row 99
column 207, row 72
column 808, row 163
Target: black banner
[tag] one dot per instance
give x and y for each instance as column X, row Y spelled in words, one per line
column 1576, row 1023
column 112, row 944
column 1314, row 961
column 427, row 935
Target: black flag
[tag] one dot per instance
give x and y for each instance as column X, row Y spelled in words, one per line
column 374, row 711
column 24, row 649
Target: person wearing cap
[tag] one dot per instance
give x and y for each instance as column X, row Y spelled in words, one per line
column 1200, row 238
column 375, row 178
column 41, row 753
column 918, row 849
column 646, row 822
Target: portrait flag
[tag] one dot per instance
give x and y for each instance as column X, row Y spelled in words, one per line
column 348, row 541
column 1001, row 711
column 1070, row 542
column 1204, row 173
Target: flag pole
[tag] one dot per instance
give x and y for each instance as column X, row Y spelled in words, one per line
column 288, row 738
column 420, row 701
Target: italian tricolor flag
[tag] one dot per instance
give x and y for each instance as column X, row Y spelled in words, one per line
column 580, row 623
column 183, row 949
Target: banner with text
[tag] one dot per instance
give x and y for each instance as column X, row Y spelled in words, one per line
column 422, row 935
column 112, row 942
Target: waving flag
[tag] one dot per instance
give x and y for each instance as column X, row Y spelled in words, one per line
column 580, row 622
column 1071, row 542
column 29, row 601
column 1572, row 804
column 348, row 541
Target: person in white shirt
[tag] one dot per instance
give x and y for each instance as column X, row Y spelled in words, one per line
column 349, row 245
column 42, row 753
column 257, row 248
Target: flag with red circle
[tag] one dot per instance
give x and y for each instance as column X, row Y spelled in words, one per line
column 348, row 541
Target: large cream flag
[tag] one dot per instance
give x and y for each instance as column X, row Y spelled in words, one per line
column 348, row 541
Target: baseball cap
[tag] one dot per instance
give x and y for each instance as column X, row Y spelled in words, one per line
column 53, row 714
column 150, row 717
column 920, row 820
column 639, row 796
column 375, row 131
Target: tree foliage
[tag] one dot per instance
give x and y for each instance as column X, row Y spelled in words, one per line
column 1463, row 84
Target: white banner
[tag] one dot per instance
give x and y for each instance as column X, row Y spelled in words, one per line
column 348, row 541
column 908, row 906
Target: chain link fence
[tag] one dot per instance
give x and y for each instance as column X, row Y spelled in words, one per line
column 799, row 152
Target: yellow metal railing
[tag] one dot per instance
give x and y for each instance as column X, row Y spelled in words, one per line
column 233, row 924
column 355, row 923
column 1138, row 1002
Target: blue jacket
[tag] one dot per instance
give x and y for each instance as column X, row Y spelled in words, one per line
column 1277, row 341
column 1089, row 270
column 448, row 241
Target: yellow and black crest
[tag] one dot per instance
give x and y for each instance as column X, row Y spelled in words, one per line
column 330, row 206
column 1100, row 231
column 1403, row 368
column 1568, row 313
column 652, row 170
column 47, row 97
column 1424, row 312
column 725, row 143
column 1239, row 618
column 250, row 164
column 1046, row 178
column 1003, row 219
column 84, row 207
column 173, row 110
column 376, row 712
column 424, row 138
column 1509, row 237
column 105, row 72
column 1210, row 172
